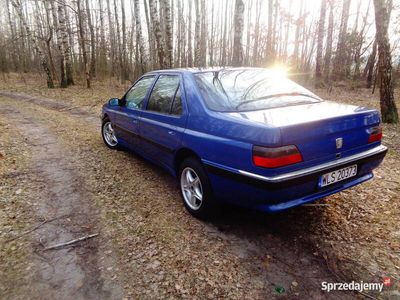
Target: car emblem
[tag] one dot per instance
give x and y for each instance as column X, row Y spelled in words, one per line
column 339, row 143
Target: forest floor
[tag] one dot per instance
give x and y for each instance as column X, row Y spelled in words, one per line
column 59, row 182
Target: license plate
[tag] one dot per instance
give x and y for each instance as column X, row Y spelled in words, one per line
column 337, row 175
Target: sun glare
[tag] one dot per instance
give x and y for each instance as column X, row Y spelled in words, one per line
column 279, row 71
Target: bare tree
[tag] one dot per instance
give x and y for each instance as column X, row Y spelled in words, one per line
column 150, row 34
column 168, row 32
column 92, row 70
column 340, row 58
column 111, row 37
column 82, row 39
column 43, row 58
column 321, row 29
column 157, row 32
column 270, row 46
column 65, row 46
column 388, row 106
column 237, row 58
column 370, row 66
column 224, row 38
column 329, row 42
column 141, row 59
column 190, row 51
column 257, row 33
column 203, row 35
column 11, row 23
column 197, row 35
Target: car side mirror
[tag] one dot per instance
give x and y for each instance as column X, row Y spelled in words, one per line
column 114, row 102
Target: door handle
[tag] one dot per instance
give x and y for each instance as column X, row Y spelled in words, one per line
column 171, row 132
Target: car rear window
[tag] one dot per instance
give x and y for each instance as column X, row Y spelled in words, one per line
column 246, row 90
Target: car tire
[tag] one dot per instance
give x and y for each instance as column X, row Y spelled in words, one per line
column 108, row 134
column 196, row 189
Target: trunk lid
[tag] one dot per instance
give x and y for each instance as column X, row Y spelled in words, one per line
column 315, row 128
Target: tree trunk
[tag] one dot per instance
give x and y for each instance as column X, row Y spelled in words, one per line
column 197, row 35
column 369, row 68
column 70, row 56
column 157, row 32
column 92, row 70
column 60, row 46
column 124, row 65
column 102, row 61
column 237, row 58
column 112, row 38
column 152, row 56
column 139, row 39
column 168, row 32
column 118, row 46
column 11, row 23
column 82, row 39
column 224, row 39
column 257, row 34
column 269, row 33
column 299, row 25
column 388, row 106
column 320, row 42
column 203, row 35
column 43, row 59
column 190, row 43
column 329, row 42
column 49, row 38
column 339, row 71
column 360, row 42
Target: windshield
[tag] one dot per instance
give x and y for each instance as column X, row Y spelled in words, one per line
column 250, row 89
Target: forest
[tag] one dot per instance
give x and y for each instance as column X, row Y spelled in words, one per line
column 327, row 41
column 79, row 220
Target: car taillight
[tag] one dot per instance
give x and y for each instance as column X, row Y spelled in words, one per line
column 276, row 157
column 375, row 135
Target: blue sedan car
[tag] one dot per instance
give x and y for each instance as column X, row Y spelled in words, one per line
column 246, row 136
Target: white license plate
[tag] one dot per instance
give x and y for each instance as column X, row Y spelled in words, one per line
column 337, row 175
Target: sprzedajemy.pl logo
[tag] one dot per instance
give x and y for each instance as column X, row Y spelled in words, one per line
column 356, row 286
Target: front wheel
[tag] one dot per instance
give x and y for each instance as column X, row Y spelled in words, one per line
column 196, row 189
column 109, row 137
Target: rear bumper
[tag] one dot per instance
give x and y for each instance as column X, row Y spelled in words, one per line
column 289, row 189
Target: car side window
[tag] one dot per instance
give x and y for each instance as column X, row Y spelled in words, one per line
column 135, row 97
column 165, row 97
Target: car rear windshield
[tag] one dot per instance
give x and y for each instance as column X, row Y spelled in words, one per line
column 246, row 90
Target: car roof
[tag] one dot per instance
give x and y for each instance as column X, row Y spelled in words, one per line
column 200, row 70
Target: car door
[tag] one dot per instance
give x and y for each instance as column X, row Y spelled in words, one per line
column 163, row 121
column 127, row 117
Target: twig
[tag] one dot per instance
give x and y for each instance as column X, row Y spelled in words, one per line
column 68, row 108
column 349, row 215
column 71, row 242
column 35, row 228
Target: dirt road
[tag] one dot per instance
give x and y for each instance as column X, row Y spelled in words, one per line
column 147, row 246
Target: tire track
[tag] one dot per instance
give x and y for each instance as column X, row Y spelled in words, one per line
column 70, row 272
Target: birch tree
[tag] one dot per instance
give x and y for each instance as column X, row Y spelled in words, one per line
column 321, row 30
column 168, row 32
column 237, row 58
column 82, row 40
column 141, row 59
column 42, row 56
column 388, row 106
column 340, row 57
column 157, row 32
